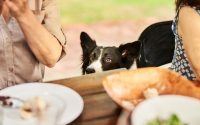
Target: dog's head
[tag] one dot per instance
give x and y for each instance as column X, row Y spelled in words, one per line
column 98, row 58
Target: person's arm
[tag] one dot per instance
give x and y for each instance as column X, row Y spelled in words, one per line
column 43, row 44
column 1, row 6
column 189, row 30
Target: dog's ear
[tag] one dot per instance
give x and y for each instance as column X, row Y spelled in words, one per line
column 130, row 49
column 87, row 43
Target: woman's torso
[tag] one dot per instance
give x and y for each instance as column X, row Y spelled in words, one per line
column 180, row 62
column 17, row 63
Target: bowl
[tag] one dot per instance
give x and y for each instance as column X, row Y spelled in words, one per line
column 187, row 109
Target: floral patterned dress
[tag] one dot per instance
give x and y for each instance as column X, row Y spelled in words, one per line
column 180, row 62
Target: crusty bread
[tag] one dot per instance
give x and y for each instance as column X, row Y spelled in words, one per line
column 128, row 87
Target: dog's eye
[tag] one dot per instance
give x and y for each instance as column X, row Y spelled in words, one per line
column 108, row 60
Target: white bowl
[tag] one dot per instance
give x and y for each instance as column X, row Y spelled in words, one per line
column 186, row 108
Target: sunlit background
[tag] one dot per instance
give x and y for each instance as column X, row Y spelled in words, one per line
column 109, row 22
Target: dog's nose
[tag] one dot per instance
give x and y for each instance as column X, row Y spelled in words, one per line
column 90, row 70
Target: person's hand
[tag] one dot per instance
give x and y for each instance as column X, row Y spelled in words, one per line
column 18, row 8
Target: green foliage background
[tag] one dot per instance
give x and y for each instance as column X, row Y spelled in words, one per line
column 90, row 11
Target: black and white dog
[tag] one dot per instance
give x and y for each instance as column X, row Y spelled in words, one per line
column 154, row 47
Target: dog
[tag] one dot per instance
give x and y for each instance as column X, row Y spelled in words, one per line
column 155, row 47
column 98, row 58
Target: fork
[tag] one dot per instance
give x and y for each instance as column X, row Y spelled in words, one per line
column 10, row 102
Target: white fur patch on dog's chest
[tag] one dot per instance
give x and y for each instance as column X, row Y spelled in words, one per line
column 134, row 65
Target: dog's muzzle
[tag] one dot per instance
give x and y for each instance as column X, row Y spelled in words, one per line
column 89, row 70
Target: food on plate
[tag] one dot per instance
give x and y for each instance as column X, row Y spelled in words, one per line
column 130, row 87
column 172, row 120
column 33, row 107
column 43, row 110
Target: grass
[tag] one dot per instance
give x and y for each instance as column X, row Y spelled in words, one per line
column 90, row 11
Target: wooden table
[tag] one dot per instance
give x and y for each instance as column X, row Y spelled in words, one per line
column 99, row 109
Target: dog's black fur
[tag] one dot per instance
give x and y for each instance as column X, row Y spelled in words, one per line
column 154, row 47
column 157, row 45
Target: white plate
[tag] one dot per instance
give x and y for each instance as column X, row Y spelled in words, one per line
column 186, row 108
column 72, row 101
